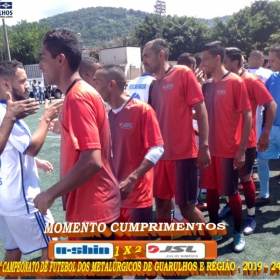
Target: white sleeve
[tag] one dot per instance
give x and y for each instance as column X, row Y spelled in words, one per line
column 20, row 137
column 154, row 154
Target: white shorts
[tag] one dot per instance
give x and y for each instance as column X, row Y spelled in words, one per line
column 25, row 232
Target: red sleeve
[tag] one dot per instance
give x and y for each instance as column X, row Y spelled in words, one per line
column 261, row 94
column 82, row 114
column 150, row 128
column 192, row 89
column 241, row 96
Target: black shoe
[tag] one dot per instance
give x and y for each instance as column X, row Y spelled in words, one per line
column 262, row 200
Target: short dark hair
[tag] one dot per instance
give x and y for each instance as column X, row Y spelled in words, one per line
column 114, row 72
column 197, row 57
column 234, row 54
column 276, row 49
column 186, row 59
column 158, row 45
column 9, row 67
column 64, row 41
column 215, row 48
column 87, row 64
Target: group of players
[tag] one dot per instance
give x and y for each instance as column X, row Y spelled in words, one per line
column 113, row 165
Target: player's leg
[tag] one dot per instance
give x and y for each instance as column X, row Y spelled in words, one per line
column 249, row 190
column 263, row 168
column 164, row 191
column 186, row 191
column 227, row 179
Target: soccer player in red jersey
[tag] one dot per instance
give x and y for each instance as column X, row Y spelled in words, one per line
column 258, row 96
column 226, row 101
column 173, row 96
column 137, row 144
column 85, row 159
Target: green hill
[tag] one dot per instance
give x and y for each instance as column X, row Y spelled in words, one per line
column 102, row 26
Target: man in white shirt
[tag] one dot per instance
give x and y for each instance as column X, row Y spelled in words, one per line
column 21, row 225
column 255, row 60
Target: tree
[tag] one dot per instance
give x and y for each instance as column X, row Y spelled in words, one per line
column 183, row 34
column 26, row 40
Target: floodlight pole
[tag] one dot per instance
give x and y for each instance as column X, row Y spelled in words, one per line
column 160, row 8
column 6, row 39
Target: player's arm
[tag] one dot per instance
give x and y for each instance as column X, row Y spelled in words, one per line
column 264, row 140
column 15, row 111
column 239, row 158
column 88, row 164
column 39, row 136
column 44, row 165
column 151, row 158
column 203, row 159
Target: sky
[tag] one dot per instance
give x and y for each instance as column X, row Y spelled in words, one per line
column 33, row 10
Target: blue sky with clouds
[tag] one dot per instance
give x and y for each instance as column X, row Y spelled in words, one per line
column 33, row 10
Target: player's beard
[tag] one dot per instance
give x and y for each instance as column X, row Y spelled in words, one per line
column 17, row 95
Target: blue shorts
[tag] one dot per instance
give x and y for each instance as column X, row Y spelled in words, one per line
column 273, row 150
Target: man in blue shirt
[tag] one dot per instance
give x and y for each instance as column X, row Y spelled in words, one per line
column 273, row 85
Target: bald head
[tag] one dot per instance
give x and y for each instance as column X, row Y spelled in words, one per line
column 87, row 69
column 256, row 59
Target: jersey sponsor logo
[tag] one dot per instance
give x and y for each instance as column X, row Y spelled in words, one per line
column 126, row 125
column 138, row 86
column 87, row 250
column 221, row 91
column 136, row 95
column 168, row 86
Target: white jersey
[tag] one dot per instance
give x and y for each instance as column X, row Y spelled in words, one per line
column 139, row 87
column 19, row 176
column 261, row 72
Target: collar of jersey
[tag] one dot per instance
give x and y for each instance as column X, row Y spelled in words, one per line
column 3, row 101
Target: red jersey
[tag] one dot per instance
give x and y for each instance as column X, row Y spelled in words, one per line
column 224, row 102
column 172, row 97
column 258, row 95
column 85, row 126
column 134, row 130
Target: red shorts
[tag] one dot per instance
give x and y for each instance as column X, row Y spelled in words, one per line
column 176, row 179
column 220, row 175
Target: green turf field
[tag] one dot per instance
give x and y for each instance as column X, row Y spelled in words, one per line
column 263, row 246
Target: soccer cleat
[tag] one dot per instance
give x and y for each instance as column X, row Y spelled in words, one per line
column 238, row 242
column 202, row 206
column 262, row 200
column 250, row 225
column 224, row 212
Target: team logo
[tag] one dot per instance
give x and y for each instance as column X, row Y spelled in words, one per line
column 221, row 91
column 126, row 125
column 168, row 86
column 87, row 250
column 136, row 95
column 6, row 10
column 184, row 250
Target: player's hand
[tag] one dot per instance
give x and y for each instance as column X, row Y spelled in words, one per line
column 20, row 109
column 51, row 112
column 200, row 76
column 263, row 142
column 203, row 158
column 126, row 186
column 239, row 159
column 54, row 126
column 44, row 165
column 43, row 202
